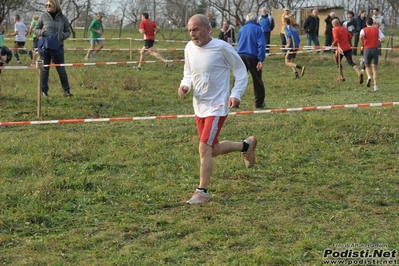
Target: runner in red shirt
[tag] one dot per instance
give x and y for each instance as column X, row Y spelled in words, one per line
column 370, row 36
column 342, row 39
column 149, row 28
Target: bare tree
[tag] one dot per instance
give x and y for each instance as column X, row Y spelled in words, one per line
column 74, row 15
column 6, row 6
column 237, row 9
column 121, row 22
column 177, row 12
column 134, row 10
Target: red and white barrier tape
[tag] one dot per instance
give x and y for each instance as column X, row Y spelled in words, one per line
column 123, row 49
column 281, row 110
column 115, row 63
column 110, row 39
column 95, row 64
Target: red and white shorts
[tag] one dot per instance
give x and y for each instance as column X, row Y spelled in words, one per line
column 209, row 127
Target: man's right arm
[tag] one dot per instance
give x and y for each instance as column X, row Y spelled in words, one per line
column 306, row 24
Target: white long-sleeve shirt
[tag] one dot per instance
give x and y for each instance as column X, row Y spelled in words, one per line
column 207, row 70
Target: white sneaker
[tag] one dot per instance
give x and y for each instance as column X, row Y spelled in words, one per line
column 376, row 88
column 249, row 155
column 199, row 197
column 86, row 58
column 361, row 60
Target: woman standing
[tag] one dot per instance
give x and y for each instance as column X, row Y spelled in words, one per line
column 53, row 22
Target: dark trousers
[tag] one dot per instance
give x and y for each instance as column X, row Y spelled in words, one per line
column 259, row 88
column 57, row 57
column 356, row 45
column 329, row 40
column 267, row 40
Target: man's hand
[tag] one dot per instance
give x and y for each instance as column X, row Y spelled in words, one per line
column 234, row 102
column 259, row 66
column 182, row 91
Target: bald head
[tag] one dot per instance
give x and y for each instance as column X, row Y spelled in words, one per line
column 264, row 11
column 199, row 27
column 200, row 20
column 335, row 23
column 251, row 17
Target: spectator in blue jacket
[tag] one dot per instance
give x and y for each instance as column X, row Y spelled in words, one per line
column 252, row 50
column 266, row 21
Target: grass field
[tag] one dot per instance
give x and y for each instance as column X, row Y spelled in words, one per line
column 114, row 193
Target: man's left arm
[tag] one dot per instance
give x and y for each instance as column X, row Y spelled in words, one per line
column 335, row 38
column 157, row 29
column 384, row 21
column 272, row 23
column 381, row 36
column 15, row 33
column 239, row 71
column 261, row 45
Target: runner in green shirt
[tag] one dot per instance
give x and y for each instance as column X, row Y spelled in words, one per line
column 32, row 53
column 96, row 28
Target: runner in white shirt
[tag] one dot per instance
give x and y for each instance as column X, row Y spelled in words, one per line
column 207, row 68
column 20, row 32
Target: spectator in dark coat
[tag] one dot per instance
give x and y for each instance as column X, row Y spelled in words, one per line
column 329, row 28
column 227, row 33
column 311, row 26
column 360, row 24
column 350, row 24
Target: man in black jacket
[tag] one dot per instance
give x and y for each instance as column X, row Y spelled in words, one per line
column 227, row 33
column 329, row 28
column 311, row 26
column 360, row 24
column 350, row 24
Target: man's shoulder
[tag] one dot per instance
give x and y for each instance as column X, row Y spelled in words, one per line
column 214, row 45
column 20, row 24
column 293, row 29
column 219, row 43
